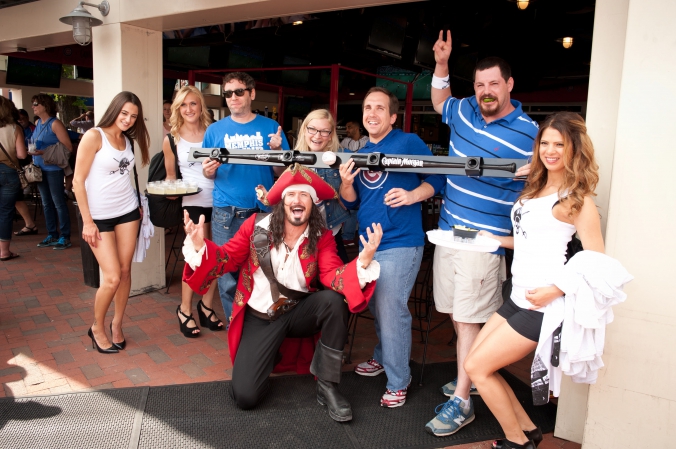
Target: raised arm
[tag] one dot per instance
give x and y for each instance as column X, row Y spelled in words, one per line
column 442, row 52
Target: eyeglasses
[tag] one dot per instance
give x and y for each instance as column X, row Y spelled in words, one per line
column 36, row 104
column 238, row 92
column 324, row 132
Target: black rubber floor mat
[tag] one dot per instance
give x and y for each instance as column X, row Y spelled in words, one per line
column 102, row 419
column 205, row 416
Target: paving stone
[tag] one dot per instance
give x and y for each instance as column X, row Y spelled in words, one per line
column 142, row 349
column 63, row 357
column 201, row 360
column 12, row 370
column 6, row 282
column 39, row 330
column 217, row 343
column 178, row 339
column 86, row 295
column 144, row 316
column 65, row 307
column 76, row 321
column 137, row 376
column 135, row 333
column 159, row 356
column 32, row 304
column 19, row 310
column 63, row 342
column 192, row 370
column 25, row 350
column 54, row 293
column 35, row 285
column 22, row 299
column 9, row 326
column 41, row 319
column 92, row 371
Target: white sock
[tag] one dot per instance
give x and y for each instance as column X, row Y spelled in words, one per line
column 465, row 402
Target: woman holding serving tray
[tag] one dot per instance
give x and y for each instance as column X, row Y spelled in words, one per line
column 189, row 120
column 110, row 209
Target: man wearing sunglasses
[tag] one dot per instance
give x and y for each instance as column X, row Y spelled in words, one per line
column 234, row 185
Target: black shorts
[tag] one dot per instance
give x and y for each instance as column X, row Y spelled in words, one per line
column 525, row 322
column 196, row 211
column 108, row 225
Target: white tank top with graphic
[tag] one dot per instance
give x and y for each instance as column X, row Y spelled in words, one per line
column 192, row 171
column 109, row 187
column 540, row 243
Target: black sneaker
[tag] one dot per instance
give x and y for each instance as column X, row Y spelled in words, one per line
column 62, row 243
column 48, row 241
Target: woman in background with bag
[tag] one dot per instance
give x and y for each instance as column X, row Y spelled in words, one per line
column 48, row 131
column 12, row 147
column 189, row 120
column 110, row 208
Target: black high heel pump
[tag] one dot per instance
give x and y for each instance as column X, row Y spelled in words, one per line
column 534, row 435
column 205, row 320
column 120, row 345
column 95, row 345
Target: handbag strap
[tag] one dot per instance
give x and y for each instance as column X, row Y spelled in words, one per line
column 9, row 158
column 138, row 191
column 175, row 151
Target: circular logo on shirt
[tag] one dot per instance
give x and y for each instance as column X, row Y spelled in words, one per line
column 373, row 179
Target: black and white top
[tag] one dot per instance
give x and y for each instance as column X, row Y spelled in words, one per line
column 109, row 187
column 540, row 243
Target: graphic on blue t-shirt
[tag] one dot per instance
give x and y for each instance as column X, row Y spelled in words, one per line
column 243, row 142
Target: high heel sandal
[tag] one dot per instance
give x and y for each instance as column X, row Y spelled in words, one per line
column 95, row 345
column 120, row 345
column 534, row 435
column 205, row 320
column 185, row 330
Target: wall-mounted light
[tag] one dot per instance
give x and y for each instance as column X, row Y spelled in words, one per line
column 522, row 4
column 83, row 22
column 567, row 42
column 298, row 22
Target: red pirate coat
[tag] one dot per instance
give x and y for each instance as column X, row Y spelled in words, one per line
column 239, row 253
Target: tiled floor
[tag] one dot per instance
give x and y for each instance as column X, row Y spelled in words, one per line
column 46, row 310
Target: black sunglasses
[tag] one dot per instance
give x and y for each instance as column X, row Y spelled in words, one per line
column 36, row 104
column 238, row 92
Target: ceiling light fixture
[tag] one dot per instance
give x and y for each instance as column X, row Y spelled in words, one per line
column 522, row 4
column 82, row 21
column 567, row 42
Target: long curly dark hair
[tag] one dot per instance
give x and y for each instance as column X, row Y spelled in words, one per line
column 581, row 175
column 315, row 223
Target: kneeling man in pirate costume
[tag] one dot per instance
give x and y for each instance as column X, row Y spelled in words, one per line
column 278, row 309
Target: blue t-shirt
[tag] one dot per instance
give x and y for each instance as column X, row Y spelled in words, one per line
column 235, row 184
column 402, row 226
column 44, row 137
column 484, row 203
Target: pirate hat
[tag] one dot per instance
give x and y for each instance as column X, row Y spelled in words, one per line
column 304, row 179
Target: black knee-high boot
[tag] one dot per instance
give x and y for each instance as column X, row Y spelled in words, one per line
column 326, row 365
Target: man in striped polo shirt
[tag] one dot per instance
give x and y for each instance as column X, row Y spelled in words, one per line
column 467, row 284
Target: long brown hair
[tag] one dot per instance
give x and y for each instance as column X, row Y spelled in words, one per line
column 138, row 130
column 315, row 223
column 176, row 119
column 581, row 170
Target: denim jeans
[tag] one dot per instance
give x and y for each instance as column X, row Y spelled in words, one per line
column 223, row 227
column 10, row 187
column 389, row 305
column 54, row 203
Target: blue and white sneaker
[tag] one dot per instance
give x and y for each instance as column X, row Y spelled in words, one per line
column 62, row 243
column 451, row 418
column 48, row 241
column 449, row 388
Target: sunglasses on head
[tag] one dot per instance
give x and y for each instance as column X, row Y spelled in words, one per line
column 238, row 92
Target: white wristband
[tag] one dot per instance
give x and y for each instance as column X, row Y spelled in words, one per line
column 440, row 83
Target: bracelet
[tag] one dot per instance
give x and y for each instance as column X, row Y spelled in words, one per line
column 441, row 83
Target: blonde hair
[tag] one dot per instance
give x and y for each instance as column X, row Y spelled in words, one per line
column 318, row 114
column 581, row 170
column 176, row 120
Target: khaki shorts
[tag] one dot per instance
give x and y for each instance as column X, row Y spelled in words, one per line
column 468, row 284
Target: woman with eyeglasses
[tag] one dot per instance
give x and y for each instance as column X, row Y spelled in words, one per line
column 189, row 121
column 110, row 208
column 48, row 131
column 318, row 134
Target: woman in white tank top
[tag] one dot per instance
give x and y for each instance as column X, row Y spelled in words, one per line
column 109, row 206
column 189, row 120
column 556, row 202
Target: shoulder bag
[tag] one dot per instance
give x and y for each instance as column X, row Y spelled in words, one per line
column 19, row 171
column 164, row 213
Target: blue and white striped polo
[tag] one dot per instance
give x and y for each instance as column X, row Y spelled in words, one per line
column 484, row 203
